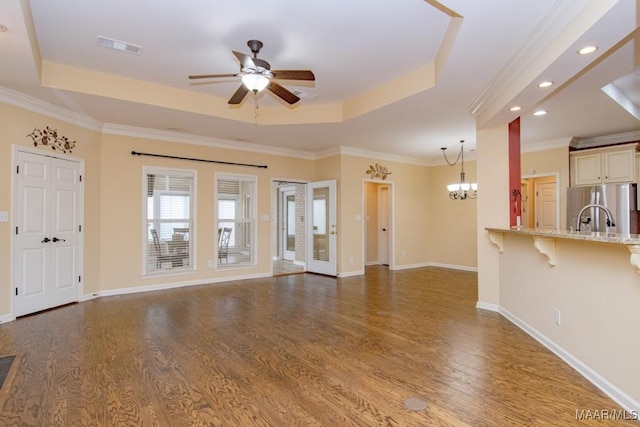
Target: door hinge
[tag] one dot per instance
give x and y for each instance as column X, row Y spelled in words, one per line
column 79, row 279
column 16, row 291
column 16, row 230
column 80, row 178
column 18, row 169
column 80, row 228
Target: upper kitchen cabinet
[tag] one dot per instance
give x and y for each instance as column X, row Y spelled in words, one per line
column 604, row 165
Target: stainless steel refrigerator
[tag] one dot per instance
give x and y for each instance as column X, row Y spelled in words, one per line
column 619, row 199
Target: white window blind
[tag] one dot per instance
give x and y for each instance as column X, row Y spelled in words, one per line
column 235, row 210
column 169, row 221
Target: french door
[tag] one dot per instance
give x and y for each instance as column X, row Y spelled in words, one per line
column 47, row 215
column 288, row 221
column 322, row 229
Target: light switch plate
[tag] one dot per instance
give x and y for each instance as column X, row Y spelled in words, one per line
column 4, row 216
column 265, row 217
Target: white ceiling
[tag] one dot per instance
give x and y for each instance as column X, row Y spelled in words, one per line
column 499, row 51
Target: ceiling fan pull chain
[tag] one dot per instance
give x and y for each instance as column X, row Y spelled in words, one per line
column 256, row 113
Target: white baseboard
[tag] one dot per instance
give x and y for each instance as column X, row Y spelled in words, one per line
column 172, row 285
column 7, row 318
column 300, row 263
column 453, row 266
column 409, row 266
column 488, row 306
column 351, row 273
column 368, row 263
column 90, row 296
column 623, row 399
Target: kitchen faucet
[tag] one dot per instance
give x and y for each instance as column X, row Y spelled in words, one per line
column 610, row 221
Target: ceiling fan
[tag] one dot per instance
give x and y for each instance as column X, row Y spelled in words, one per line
column 257, row 75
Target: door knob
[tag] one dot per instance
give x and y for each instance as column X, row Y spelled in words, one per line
column 46, row 240
column 55, row 239
column 384, row 229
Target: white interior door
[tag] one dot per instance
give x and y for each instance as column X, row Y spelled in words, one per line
column 546, row 205
column 288, row 221
column 47, row 232
column 322, row 228
column 384, row 224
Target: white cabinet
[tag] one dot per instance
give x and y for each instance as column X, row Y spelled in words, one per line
column 604, row 165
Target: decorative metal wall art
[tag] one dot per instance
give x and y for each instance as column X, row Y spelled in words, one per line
column 378, row 171
column 50, row 138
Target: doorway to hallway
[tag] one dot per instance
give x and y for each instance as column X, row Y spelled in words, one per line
column 378, row 223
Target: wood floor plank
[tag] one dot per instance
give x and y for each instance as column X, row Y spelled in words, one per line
column 297, row 350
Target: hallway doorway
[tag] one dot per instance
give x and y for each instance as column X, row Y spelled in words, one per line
column 378, row 227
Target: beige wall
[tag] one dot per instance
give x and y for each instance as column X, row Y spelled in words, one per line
column 453, row 229
column 551, row 161
column 598, row 294
column 121, row 224
column 15, row 124
column 492, row 151
column 410, row 192
column 428, row 226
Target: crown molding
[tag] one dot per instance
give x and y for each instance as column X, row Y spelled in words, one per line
column 182, row 138
column 549, row 28
column 547, row 145
column 603, row 141
column 358, row 152
column 329, row 152
column 26, row 102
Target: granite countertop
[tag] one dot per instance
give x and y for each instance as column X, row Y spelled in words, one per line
column 625, row 239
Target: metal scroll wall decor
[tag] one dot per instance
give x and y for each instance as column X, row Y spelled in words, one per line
column 378, row 171
column 51, row 138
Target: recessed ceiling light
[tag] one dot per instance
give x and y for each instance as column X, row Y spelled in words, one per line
column 540, row 113
column 546, row 83
column 587, row 50
column 3, row 28
column 515, row 108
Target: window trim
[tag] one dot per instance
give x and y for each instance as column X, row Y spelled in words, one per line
column 187, row 173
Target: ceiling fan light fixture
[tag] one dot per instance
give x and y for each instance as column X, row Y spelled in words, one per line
column 255, row 82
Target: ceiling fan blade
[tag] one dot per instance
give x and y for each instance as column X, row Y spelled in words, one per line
column 283, row 93
column 294, row 74
column 245, row 60
column 239, row 95
column 212, row 76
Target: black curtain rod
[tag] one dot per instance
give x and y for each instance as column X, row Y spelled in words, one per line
column 279, row 181
column 135, row 153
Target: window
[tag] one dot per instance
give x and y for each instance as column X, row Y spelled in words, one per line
column 169, row 220
column 236, row 220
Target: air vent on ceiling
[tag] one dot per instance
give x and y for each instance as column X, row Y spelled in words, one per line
column 118, row 45
column 304, row 95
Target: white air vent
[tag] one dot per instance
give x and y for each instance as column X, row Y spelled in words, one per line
column 304, row 95
column 118, row 45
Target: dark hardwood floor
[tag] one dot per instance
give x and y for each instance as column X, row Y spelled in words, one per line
column 294, row 350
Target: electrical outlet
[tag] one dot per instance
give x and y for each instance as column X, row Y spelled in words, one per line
column 556, row 317
column 351, row 260
column 210, row 263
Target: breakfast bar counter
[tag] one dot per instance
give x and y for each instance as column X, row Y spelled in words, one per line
column 544, row 240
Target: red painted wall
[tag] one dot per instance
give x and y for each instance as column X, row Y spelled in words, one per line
column 515, row 198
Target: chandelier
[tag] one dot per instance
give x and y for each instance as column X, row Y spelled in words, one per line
column 460, row 190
